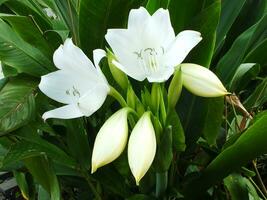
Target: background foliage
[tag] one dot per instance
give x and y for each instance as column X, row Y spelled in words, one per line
column 216, row 147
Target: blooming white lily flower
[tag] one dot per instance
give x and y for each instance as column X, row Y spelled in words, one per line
column 110, row 140
column 77, row 83
column 201, row 81
column 141, row 147
column 1, row 72
column 148, row 48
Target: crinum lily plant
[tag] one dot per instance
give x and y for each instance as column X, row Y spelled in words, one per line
column 147, row 51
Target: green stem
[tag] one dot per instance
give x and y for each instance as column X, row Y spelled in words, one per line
column 256, row 186
column 115, row 94
column 161, row 183
column 90, row 184
column 263, row 188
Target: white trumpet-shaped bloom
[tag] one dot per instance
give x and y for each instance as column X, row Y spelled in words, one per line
column 1, row 72
column 141, row 147
column 148, row 48
column 110, row 140
column 201, row 81
column 77, row 83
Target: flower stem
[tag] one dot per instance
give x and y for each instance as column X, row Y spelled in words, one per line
column 114, row 93
column 259, row 178
column 161, row 183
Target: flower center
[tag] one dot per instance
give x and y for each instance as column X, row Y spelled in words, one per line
column 148, row 58
column 73, row 91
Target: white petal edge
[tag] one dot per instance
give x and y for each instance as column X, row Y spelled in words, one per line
column 201, row 81
column 110, row 140
column 161, row 75
column 64, row 112
column 184, row 42
column 141, row 147
column 137, row 17
column 70, row 57
column 98, row 55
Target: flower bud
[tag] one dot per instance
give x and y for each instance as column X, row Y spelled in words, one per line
column 119, row 76
column 201, row 81
column 175, row 88
column 110, row 140
column 141, row 147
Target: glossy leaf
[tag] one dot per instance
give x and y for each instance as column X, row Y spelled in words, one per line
column 15, row 52
column 248, row 146
column 17, row 103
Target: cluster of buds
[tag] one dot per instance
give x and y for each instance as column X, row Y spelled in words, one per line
column 146, row 49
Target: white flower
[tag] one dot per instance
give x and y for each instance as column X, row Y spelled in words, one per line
column 77, row 83
column 141, row 147
column 148, row 48
column 1, row 72
column 201, row 81
column 110, row 140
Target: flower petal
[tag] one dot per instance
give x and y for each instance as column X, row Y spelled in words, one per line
column 141, row 147
column 162, row 24
column 98, row 55
column 64, row 112
column 118, row 40
column 160, row 76
column 71, row 57
column 137, row 17
column 184, row 42
column 201, row 81
column 93, row 99
column 64, row 86
column 110, row 140
column 1, row 72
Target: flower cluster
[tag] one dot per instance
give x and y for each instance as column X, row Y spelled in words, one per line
column 147, row 49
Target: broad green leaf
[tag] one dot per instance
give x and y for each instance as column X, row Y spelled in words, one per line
column 237, row 187
column 17, row 103
column 241, row 47
column 243, row 75
column 23, row 185
column 95, row 17
column 17, row 53
column 182, row 12
column 213, row 119
column 29, row 32
column 42, row 194
column 251, row 144
column 41, row 170
column 230, row 11
column 28, row 148
column 140, row 197
column 258, row 54
column 77, row 141
column 206, row 23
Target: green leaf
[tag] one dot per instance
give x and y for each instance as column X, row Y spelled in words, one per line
column 153, row 5
column 70, row 17
column 182, row 12
column 243, row 44
column 213, row 119
column 41, row 170
column 96, row 16
column 140, row 197
column 178, row 137
column 243, row 75
column 251, row 144
column 258, row 96
column 164, row 154
column 29, row 31
column 258, row 54
column 23, row 185
column 77, row 141
column 229, row 13
column 237, row 187
column 17, row 103
column 17, row 53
